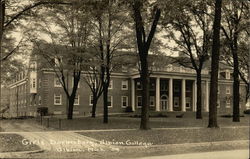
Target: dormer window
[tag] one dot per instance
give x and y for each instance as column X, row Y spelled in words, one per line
column 58, row 61
column 57, row 82
column 33, row 65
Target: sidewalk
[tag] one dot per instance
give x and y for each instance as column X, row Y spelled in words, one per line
column 233, row 154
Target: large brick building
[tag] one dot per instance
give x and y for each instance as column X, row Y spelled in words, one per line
column 172, row 88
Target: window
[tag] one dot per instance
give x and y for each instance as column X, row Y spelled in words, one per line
column 163, row 86
column 139, row 101
column 90, row 100
column 110, row 101
column 227, row 74
column 227, row 89
column 138, row 85
column 152, row 85
column 125, row 85
column 124, row 101
column 57, row 99
column 57, row 82
column 152, row 101
column 111, row 84
column 176, row 101
column 176, row 88
column 188, row 88
column 39, row 100
column 76, row 101
column 188, row 102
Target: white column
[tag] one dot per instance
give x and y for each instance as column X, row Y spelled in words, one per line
column 207, row 97
column 157, row 95
column 183, row 95
column 194, row 96
column 133, row 94
column 170, row 95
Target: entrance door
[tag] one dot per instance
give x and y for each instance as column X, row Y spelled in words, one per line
column 164, row 102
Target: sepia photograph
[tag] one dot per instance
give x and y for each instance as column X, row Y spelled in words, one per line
column 124, row 79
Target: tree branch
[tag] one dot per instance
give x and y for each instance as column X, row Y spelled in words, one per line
column 27, row 8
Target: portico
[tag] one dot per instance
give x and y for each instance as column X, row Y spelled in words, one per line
column 169, row 94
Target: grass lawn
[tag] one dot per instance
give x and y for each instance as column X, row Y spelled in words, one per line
column 13, row 143
column 229, row 131
column 170, row 136
column 88, row 123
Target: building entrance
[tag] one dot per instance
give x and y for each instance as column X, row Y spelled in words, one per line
column 164, row 102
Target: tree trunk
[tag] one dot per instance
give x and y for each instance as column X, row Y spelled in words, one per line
column 71, row 98
column 199, row 90
column 70, row 108
column 247, row 92
column 212, row 122
column 2, row 17
column 236, row 84
column 145, row 94
column 95, row 99
column 236, row 96
column 105, row 103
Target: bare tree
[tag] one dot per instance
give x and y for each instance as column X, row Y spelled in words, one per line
column 194, row 26
column 110, row 19
column 143, row 44
column 235, row 21
column 69, row 42
column 212, row 122
column 7, row 19
column 93, row 79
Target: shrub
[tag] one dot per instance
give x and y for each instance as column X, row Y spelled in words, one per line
column 136, row 116
column 162, row 115
column 227, row 116
column 128, row 109
column 43, row 111
column 158, row 115
column 247, row 111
